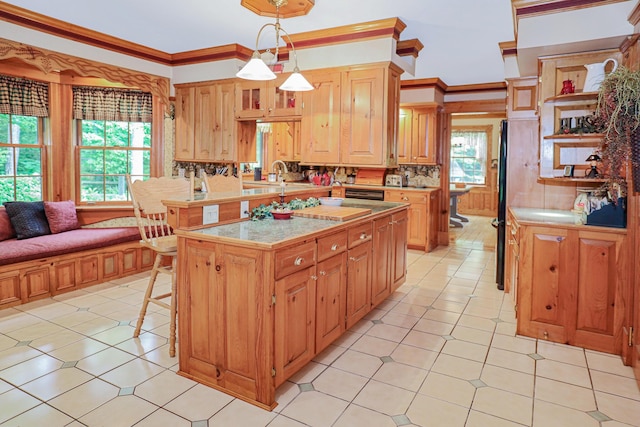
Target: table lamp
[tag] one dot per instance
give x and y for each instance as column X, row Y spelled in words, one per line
column 594, row 159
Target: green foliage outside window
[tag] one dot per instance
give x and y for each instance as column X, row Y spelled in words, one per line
column 109, row 151
column 20, row 158
column 468, row 157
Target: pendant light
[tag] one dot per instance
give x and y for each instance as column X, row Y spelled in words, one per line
column 256, row 69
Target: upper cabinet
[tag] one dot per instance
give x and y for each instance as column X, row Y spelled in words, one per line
column 418, row 135
column 352, row 120
column 568, row 136
column 205, row 124
column 264, row 100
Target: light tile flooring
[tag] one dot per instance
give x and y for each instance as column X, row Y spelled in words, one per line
column 441, row 351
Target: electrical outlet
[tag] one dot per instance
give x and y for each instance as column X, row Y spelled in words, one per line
column 244, row 209
column 210, row 214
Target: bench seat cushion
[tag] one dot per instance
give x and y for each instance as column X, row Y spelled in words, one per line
column 13, row 250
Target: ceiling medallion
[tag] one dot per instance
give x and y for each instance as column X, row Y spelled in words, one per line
column 288, row 8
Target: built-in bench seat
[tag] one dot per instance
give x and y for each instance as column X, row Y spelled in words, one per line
column 51, row 264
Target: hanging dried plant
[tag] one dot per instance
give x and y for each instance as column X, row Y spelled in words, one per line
column 618, row 115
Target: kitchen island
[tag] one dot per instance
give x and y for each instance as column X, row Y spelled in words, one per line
column 570, row 281
column 259, row 299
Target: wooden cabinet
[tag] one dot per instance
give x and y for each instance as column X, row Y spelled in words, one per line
column 382, row 252
column 295, row 311
column 564, row 141
column 284, row 140
column 512, row 257
column 419, row 135
column 398, row 271
column 264, row 99
column 321, row 119
column 351, row 117
column 330, row 299
column 422, row 225
column 358, row 273
column 222, row 318
column 572, row 286
column 205, row 125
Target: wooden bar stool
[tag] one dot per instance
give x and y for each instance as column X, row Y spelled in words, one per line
column 158, row 236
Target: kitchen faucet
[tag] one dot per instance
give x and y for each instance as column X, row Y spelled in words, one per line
column 284, row 166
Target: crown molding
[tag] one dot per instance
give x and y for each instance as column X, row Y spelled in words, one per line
column 409, row 47
column 429, row 83
column 634, row 16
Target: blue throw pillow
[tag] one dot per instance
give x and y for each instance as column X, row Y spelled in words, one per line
column 28, row 219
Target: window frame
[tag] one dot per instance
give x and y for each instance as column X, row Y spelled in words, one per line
column 42, row 144
column 488, row 130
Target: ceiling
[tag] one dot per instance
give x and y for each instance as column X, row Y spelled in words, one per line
column 460, row 37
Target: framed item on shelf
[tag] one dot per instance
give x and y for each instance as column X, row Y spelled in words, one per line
column 568, row 171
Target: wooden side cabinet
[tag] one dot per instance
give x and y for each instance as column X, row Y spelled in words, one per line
column 419, row 135
column 572, row 286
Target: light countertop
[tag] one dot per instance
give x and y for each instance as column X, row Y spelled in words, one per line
column 557, row 217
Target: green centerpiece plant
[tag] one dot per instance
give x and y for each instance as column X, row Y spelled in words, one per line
column 265, row 211
column 618, row 115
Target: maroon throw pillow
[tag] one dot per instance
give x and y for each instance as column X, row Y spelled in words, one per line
column 6, row 229
column 62, row 216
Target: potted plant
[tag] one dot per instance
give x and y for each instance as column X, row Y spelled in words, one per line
column 618, row 117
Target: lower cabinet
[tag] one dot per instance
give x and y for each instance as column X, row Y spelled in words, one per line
column 382, row 252
column 358, row 274
column 572, row 286
column 422, row 226
column 330, row 300
column 295, row 322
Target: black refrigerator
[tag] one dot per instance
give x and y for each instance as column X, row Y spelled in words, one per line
column 500, row 223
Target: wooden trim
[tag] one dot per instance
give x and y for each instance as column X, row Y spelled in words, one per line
column 349, row 33
column 287, row 10
column 634, row 16
column 484, row 87
column 219, row 53
column 29, row 19
column 540, row 7
column 429, row 83
column 629, row 42
column 508, row 48
column 477, row 106
column 94, row 214
column 50, row 62
column 409, row 47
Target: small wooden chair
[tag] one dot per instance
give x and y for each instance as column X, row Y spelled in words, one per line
column 157, row 235
column 222, row 183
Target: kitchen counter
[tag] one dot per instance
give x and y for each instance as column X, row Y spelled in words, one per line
column 273, row 233
column 557, row 218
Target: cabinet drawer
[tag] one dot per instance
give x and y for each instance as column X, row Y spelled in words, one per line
column 359, row 234
column 332, row 245
column 405, row 197
column 295, row 258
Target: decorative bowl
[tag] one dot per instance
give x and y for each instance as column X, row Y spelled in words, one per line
column 281, row 213
column 331, row 201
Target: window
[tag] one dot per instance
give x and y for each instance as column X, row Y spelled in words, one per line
column 469, row 156
column 109, row 150
column 23, row 107
column 114, row 139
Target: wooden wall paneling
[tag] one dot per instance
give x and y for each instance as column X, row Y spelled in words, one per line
column 10, row 288
column 61, row 180
column 444, row 142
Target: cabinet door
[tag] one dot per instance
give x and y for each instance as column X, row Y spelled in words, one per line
column 225, row 123
column 320, row 133
column 381, row 257
column 285, row 136
column 601, row 296
column 362, row 117
column 283, row 103
column 424, row 135
column 358, row 283
column 294, row 322
column 185, row 123
column 399, row 256
column 251, row 99
column 330, row 300
column 548, row 282
column 205, row 123
column 405, row 123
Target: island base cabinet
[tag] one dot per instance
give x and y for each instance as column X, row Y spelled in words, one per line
column 295, row 312
column 573, row 287
column 330, row 300
column 358, row 283
column 223, row 307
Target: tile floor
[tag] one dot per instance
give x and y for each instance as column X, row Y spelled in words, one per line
column 441, row 351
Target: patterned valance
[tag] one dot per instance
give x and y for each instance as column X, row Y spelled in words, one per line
column 120, row 105
column 23, row 97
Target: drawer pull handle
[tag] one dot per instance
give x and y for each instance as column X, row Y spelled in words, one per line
column 352, row 258
column 323, row 273
column 405, row 198
column 298, row 261
column 363, row 236
column 218, row 268
column 314, row 277
column 334, row 247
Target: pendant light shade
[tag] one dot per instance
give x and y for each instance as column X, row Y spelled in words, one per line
column 256, row 69
column 296, row 82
